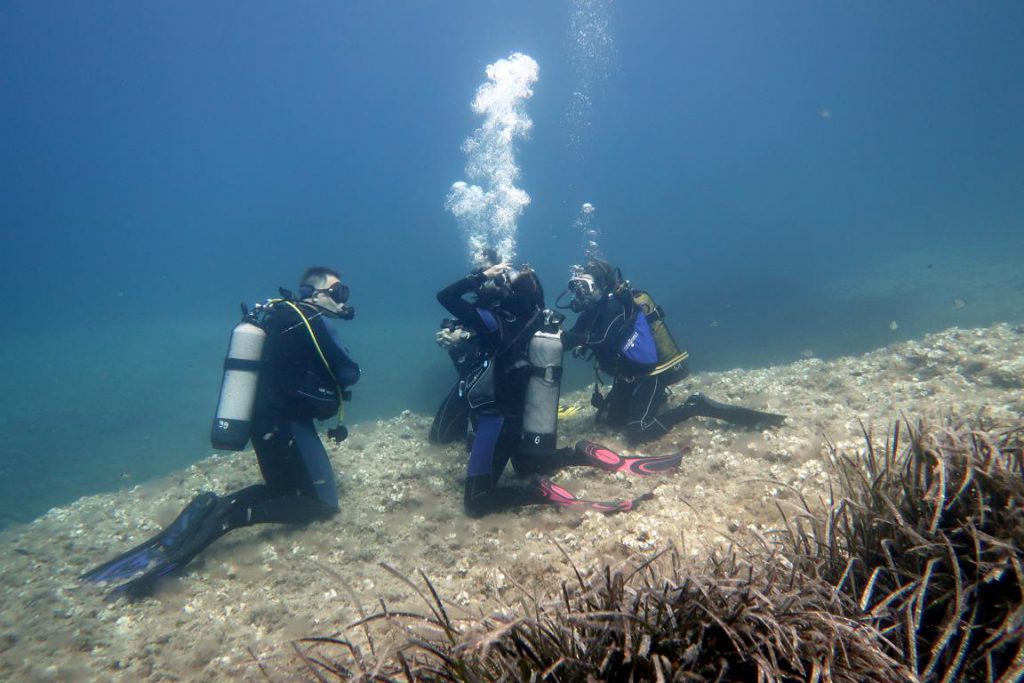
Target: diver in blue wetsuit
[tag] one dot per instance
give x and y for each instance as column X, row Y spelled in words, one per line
column 304, row 372
column 624, row 332
column 503, row 311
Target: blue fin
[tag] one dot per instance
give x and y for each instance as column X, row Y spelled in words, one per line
column 138, row 559
column 154, row 552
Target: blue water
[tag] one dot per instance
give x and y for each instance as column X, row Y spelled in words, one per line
column 783, row 177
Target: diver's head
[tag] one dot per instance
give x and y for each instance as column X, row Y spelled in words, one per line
column 593, row 282
column 322, row 288
column 525, row 291
column 607, row 277
column 516, row 291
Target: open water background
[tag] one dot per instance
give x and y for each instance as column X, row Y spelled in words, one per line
column 784, row 177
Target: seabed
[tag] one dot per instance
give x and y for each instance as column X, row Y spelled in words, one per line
column 236, row 611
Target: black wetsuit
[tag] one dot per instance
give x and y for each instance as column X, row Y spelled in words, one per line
column 295, row 389
column 636, row 396
column 497, row 420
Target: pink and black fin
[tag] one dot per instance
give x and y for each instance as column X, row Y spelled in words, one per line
column 597, row 455
column 556, row 495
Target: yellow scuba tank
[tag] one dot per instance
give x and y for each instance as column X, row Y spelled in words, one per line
column 669, row 354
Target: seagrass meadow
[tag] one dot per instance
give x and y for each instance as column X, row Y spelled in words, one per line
column 910, row 571
column 875, row 536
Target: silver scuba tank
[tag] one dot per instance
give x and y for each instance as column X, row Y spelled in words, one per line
column 540, row 408
column 232, row 423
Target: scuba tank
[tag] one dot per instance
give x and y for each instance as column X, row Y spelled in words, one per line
column 668, row 351
column 232, row 422
column 540, row 408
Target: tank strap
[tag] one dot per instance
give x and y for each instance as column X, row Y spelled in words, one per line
column 242, row 364
column 655, row 315
column 550, row 374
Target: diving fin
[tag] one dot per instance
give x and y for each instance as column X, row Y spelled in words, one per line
column 597, row 455
column 204, row 531
column 153, row 552
column 144, row 585
column 699, row 405
column 556, row 495
column 138, row 559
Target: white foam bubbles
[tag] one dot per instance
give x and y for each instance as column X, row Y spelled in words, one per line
column 590, row 234
column 593, row 55
column 489, row 205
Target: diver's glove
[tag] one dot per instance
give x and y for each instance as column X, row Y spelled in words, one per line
column 447, row 338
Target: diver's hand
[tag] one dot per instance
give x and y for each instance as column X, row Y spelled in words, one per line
column 495, row 271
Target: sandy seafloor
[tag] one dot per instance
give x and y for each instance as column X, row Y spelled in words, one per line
column 260, row 587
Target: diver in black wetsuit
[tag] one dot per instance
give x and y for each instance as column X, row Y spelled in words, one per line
column 506, row 310
column 451, row 421
column 641, row 357
column 304, row 375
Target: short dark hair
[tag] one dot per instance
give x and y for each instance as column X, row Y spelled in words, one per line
column 526, row 285
column 315, row 276
column 607, row 276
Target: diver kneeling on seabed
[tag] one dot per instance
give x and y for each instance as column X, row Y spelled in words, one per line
column 284, row 369
column 624, row 331
column 508, row 351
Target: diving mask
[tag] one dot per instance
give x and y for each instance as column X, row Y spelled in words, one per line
column 338, row 292
column 582, row 286
column 331, row 300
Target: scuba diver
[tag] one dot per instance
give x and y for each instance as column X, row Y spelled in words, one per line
column 451, row 421
column 285, row 368
column 509, row 350
column 624, row 331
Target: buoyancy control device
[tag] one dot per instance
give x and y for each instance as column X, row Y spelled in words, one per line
column 668, row 351
column 232, row 423
column 540, row 409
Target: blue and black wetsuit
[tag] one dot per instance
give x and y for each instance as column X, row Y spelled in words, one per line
column 636, row 396
column 504, row 331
